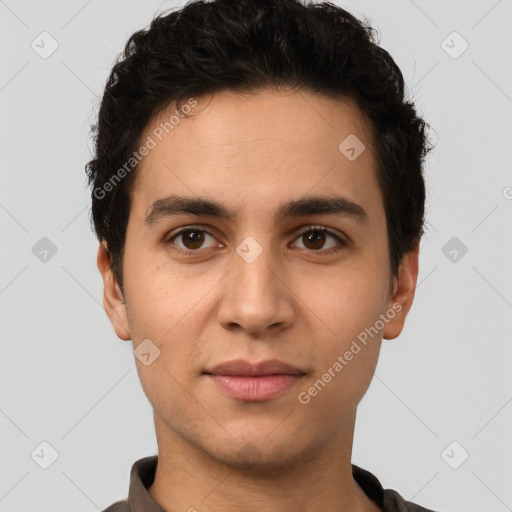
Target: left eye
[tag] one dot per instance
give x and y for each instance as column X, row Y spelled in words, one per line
column 315, row 237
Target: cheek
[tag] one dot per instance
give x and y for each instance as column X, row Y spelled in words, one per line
column 347, row 352
column 158, row 299
column 156, row 312
column 346, row 361
column 349, row 302
column 170, row 380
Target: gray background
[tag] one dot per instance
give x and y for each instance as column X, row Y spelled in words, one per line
column 67, row 380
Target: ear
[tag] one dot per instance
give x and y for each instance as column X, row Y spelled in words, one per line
column 113, row 300
column 401, row 297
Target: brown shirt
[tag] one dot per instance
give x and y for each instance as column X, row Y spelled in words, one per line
column 143, row 474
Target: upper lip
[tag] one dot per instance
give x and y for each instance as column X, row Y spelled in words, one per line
column 242, row 367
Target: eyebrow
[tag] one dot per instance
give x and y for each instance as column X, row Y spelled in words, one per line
column 174, row 205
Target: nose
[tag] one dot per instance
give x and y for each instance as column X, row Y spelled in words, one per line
column 256, row 296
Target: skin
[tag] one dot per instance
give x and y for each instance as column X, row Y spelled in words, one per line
column 252, row 153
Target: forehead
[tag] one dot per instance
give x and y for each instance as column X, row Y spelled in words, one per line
column 259, row 147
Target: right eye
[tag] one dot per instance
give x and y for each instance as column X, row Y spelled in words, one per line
column 192, row 238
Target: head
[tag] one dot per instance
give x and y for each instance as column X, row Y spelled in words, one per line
column 242, row 109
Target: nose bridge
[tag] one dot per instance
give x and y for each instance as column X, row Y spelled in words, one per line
column 255, row 298
column 254, row 267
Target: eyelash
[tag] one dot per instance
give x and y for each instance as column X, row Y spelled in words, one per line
column 304, row 230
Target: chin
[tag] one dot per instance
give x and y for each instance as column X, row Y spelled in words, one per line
column 257, row 453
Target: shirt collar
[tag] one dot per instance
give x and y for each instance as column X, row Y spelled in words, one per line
column 141, row 477
column 143, row 474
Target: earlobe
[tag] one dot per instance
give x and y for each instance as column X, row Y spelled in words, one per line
column 113, row 300
column 402, row 296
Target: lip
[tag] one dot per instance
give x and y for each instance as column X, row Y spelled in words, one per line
column 254, row 382
column 241, row 367
column 254, row 389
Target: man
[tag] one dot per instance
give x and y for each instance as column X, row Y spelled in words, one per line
column 258, row 196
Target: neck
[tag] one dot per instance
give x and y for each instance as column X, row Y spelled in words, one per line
column 188, row 478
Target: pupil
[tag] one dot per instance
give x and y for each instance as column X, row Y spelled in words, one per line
column 315, row 237
column 195, row 238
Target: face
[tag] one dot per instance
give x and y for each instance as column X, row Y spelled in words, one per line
column 283, row 255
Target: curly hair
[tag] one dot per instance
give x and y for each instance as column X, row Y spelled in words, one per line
column 241, row 46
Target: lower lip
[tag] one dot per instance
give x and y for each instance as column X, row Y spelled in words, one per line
column 255, row 389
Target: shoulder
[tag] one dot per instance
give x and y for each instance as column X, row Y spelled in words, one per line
column 120, row 506
column 393, row 502
column 388, row 499
column 142, row 475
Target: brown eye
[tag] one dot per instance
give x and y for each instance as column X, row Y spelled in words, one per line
column 191, row 239
column 314, row 238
